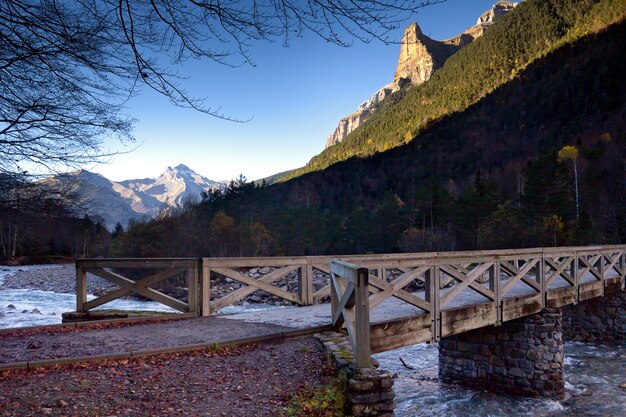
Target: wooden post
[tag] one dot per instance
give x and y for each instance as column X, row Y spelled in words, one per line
column 334, row 297
column 623, row 268
column 205, row 292
column 602, row 278
column 494, row 285
column 311, row 291
column 192, row 288
column 574, row 274
column 305, row 284
column 433, row 283
column 541, row 279
column 362, row 319
column 81, row 288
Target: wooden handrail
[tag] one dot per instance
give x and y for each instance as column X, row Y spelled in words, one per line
column 467, row 271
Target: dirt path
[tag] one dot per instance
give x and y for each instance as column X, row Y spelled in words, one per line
column 31, row 344
column 244, row 381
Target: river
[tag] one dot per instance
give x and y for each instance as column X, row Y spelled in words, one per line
column 593, row 374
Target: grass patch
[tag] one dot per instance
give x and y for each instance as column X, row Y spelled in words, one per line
column 323, row 401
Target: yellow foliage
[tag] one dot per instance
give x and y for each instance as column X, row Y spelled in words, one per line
column 568, row 152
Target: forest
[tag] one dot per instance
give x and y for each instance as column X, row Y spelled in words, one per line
column 537, row 162
column 518, row 141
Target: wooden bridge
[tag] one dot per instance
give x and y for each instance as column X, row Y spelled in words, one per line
column 383, row 301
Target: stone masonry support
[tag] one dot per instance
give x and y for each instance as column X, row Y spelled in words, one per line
column 522, row 357
column 599, row 320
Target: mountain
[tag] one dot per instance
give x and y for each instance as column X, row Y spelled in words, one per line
column 174, row 186
column 419, row 57
column 98, row 197
column 528, row 32
column 470, row 159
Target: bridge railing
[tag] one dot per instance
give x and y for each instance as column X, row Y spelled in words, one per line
column 139, row 276
column 467, row 290
column 350, row 307
column 509, row 282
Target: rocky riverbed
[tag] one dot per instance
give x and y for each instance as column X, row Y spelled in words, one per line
column 55, row 278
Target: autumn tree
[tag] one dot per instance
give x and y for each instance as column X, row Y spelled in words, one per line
column 570, row 153
column 68, row 67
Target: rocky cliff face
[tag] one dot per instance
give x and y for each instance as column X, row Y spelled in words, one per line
column 419, row 57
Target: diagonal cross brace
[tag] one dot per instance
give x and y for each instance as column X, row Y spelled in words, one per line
column 140, row 287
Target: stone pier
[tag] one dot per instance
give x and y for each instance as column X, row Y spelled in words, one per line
column 599, row 320
column 522, row 357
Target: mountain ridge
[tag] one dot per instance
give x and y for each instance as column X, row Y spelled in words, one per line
column 95, row 195
column 419, row 57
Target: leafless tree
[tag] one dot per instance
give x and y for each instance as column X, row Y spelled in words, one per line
column 68, row 67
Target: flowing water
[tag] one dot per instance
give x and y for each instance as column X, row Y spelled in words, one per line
column 593, row 375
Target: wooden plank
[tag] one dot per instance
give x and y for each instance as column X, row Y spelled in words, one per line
column 140, row 289
column 590, row 267
column 464, row 319
column 205, row 292
column 334, row 302
column 519, row 275
column 559, row 270
column 322, row 268
column 398, row 326
column 590, row 290
column 559, row 297
column 467, row 312
column 346, row 297
column 308, row 273
column 192, row 290
column 465, row 282
column 260, row 284
column 362, row 320
column 613, row 260
column 128, row 286
column 241, row 293
column 396, row 341
column 461, row 274
column 397, row 284
column 322, row 292
column 376, row 285
column 277, row 261
column 513, row 308
column 494, row 286
column 135, row 263
column 432, row 286
column 81, row 289
column 345, row 270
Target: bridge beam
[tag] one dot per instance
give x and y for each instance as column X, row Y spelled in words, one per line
column 521, row 357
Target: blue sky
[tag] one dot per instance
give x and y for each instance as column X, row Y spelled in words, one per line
column 295, row 97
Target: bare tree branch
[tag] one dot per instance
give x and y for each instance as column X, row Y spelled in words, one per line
column 69, row 67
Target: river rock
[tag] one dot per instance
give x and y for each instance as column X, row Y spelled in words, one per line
column 623, row 386
column 10, row 307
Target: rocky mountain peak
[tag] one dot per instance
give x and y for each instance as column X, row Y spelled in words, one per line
column 132, row 199
column 496, row 12
column 419, row 57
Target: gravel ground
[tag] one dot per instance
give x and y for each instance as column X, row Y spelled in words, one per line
column 56, row 278
column 38, row 344
column 246, row 381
